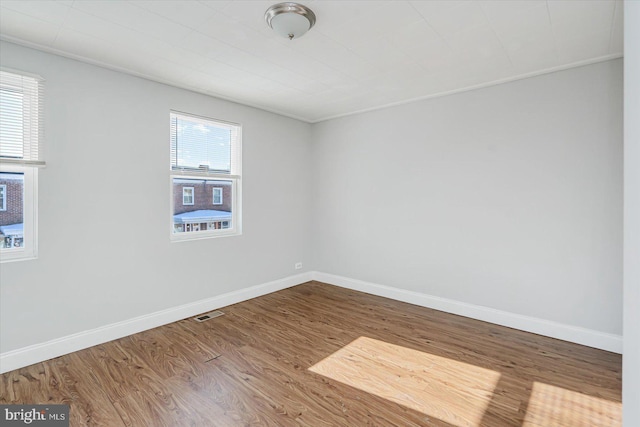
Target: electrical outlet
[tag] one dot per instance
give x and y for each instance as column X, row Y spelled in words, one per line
column 298, row 266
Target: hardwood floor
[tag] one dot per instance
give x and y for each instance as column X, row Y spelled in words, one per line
column 318, row 355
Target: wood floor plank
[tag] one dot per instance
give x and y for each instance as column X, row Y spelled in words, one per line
column 318, row 355
column 336, row 402
column 89, row 404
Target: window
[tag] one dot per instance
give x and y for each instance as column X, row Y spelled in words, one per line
column 20, row 157
column 217, row 195
column 187, row 195
column 205, row 160
column 3, row 197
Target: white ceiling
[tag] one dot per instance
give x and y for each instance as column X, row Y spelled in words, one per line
column 361, row 55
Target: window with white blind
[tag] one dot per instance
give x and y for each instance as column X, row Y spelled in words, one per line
column 20, row 157
column 205, row 175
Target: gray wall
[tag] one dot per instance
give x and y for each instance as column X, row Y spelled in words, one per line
column 631, row 358
column 507, row 197
column 107, row 146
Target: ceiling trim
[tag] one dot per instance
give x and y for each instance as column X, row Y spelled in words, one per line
column 112, row 67
column 52, row 50
column 481, row 85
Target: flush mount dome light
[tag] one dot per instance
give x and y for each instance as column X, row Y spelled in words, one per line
column 290, row 20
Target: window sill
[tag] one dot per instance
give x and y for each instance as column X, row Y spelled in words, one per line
column 202, row 236
column 16, row 257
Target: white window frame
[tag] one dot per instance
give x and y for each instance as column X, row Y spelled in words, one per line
column 214, row 196
column 193, row 196
column 233, row 178
column 31, row 87
column 3, row 202
column 29, row 249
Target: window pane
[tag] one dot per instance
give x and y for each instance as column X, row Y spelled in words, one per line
column 201, row 215
column 187, row 195
column 196, row 144
column 217, row 195
column 11, row 210
column 21, row 117
column 11, row 124
column 3, row 197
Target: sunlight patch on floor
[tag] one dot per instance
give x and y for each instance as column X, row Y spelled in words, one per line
column 555, row 406
column 451, row 391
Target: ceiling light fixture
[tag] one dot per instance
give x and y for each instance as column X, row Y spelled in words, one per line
column 289, row 19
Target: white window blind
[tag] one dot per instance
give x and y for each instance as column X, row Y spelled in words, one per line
column 203, row 146
column 21, row 119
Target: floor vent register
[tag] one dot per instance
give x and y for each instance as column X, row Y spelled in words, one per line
column 206, row 316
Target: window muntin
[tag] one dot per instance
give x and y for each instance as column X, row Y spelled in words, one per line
column 205, row 157
column 20, row 157
column 217, row 195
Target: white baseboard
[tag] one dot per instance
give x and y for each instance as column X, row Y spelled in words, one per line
column 39, row 352
column 588, row 337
